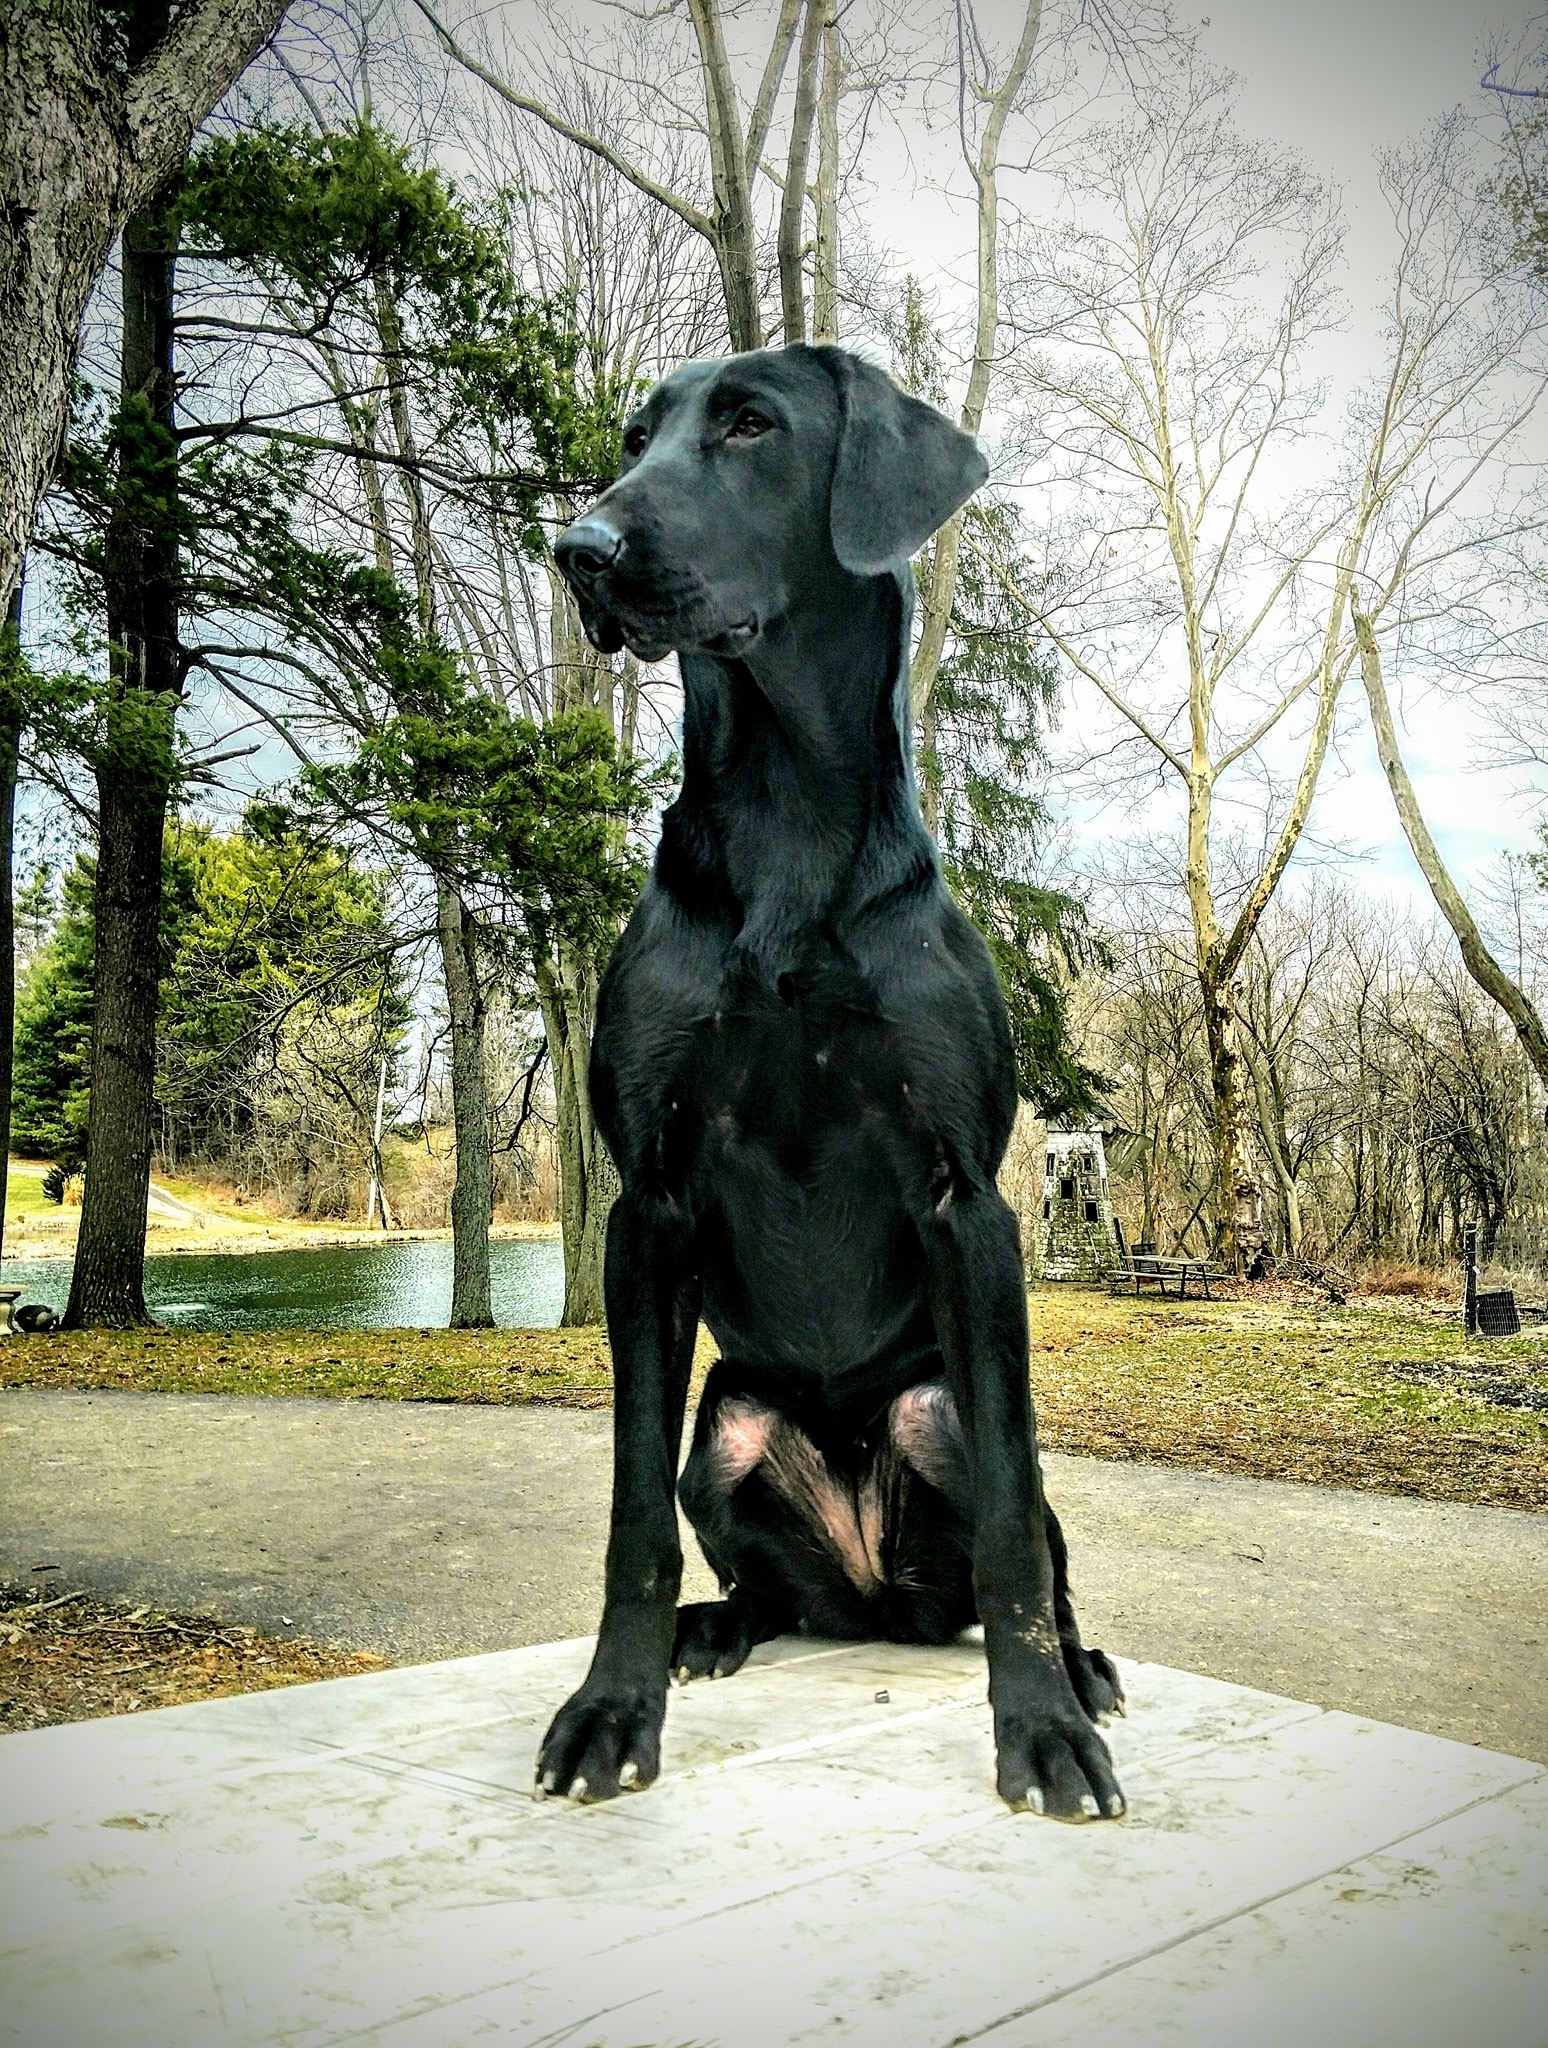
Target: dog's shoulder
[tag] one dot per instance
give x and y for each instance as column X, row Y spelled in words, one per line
column 662, row 981
column 916, row 946
column 937, row 990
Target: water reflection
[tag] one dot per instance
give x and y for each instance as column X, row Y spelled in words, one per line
column 391, row 1285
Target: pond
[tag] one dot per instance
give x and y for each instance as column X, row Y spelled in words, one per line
column 397, row 1284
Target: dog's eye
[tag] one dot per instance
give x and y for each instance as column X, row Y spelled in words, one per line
column 634, row 440
column 748, row 425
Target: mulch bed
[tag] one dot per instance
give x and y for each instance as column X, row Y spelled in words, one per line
column 67, row 1657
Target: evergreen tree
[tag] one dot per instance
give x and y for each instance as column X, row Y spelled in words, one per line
column 52, row 1073
column 269, row 938
column 980, row 753
column 994, row 693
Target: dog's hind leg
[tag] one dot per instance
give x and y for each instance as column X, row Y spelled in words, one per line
column 920, row 1478
column 926, row 1429
column 1092, row 1672
column 780, row 1530
column 714, row 1637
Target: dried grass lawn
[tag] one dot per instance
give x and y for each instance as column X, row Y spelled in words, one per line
column 567, row 1366
column 1385, row 1395
column 65, row 1657
column 1381, row 1393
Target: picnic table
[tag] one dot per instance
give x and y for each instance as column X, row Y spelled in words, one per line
column 1146, row 1269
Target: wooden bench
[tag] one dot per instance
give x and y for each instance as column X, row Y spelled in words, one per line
column 1146, row 1269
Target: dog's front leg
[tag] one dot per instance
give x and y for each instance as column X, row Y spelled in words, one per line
column 1048, row 1754
column 607, row 1737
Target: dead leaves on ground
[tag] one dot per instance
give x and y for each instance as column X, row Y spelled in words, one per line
column 67, row 1657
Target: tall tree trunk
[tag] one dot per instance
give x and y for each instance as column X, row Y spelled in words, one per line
column 472, row 1205
column 733, row 238
column 567, row 992
column 588, row 1180
column 1276, row 1141
column 1228, row 1091
column 941, row 583
column 825, row 260
column 134, row 781
column 1480, row 962
column 82, row 145
column 792, row 210
column 10, row 750
column 472, row 1200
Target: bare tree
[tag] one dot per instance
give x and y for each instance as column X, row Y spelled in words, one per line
column 1481, row 963
column 1392, row 1102
column 641, row 297
column 733, row 143
column 996, row 98
column 1209, row 615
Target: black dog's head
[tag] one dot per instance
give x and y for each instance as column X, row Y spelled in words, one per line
column 747, row 481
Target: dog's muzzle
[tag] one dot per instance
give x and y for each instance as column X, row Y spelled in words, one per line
column 588, row 554
column 622, row 603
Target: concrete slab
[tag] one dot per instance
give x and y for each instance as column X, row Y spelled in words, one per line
column 362, row 1862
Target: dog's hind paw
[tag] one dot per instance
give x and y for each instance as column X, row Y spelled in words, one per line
column 712, row 1641
column 1096, row 1682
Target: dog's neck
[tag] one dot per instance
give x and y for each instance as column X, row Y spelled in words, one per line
column 798, row 797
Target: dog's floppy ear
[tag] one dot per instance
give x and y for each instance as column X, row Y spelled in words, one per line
column 901, row 468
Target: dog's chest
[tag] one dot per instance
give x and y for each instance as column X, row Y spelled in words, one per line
column 797, row 1148
column 790, row 1087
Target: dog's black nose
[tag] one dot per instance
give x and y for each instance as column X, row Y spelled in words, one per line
column 585, row 549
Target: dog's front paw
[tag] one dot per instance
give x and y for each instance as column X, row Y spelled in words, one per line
column 1050, row 1759
column 1095, row 1679
column 712, row 1641
column 601, row 1743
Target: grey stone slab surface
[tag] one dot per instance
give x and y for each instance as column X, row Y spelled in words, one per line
column 823, row 1861
column 429, row 1531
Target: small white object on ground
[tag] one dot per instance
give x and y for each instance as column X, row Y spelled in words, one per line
column 363, row 1861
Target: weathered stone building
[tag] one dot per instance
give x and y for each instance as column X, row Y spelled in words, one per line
column 1076, row 1237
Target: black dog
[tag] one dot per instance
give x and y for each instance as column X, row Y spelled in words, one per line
column 803, row 1071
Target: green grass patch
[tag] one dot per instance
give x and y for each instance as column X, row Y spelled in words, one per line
column 1388, row 1397
column 24, row 1195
